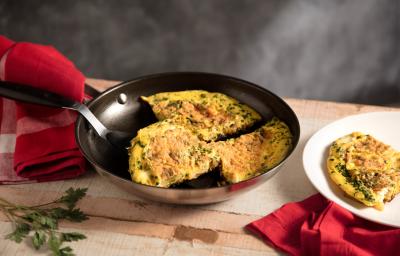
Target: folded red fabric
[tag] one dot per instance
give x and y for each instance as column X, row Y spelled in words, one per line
column 317, row 226
column 38, row 141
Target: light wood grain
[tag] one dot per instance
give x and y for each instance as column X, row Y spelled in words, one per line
column 123, row 224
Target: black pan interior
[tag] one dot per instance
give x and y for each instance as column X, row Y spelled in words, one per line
column 135, row 114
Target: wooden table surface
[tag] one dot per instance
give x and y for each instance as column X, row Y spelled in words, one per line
column 122, row 224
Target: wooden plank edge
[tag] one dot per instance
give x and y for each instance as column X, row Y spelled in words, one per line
column 131, row 210
column 167, row 232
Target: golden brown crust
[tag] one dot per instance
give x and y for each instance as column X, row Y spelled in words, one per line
column 163, row 154
column 254, row 153
column 210, row 116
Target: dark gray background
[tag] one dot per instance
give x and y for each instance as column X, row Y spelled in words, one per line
column 329, row 50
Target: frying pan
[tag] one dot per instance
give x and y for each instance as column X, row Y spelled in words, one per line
column 120, row 108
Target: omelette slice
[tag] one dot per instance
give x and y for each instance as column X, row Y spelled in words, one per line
column 254, row 153
column 209, row 115
column 165, row 153
column 365, row 169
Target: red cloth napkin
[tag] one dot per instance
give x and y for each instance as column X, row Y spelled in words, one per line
column 317, row 226
column 38, row 143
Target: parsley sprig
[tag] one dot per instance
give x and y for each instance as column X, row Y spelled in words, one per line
column 41, row 221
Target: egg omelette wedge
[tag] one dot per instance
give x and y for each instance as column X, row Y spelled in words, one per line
column 210, row 115
column 164, row 153
column 254, row 153
column 365, row 169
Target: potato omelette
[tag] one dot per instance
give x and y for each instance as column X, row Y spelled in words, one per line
column 210, row 115
column 365, row 169
column 254, row 153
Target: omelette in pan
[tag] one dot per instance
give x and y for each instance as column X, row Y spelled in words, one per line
column 254, row 153
column 182, row 145
column 164, row 153
column 210, row 115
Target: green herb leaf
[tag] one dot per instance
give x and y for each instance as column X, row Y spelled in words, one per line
column 38, row 239
column 75, row 215
column 48, row 222
column 20, row 232
column 66, row 251
column 43, row 219
column 31, row 216
column 54, row 243
column 72, row 196
column 58, row 213
column 72, row 236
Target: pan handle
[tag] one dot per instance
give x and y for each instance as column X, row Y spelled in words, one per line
column 29, row 94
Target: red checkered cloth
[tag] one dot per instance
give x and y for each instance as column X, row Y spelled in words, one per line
column 38, row 143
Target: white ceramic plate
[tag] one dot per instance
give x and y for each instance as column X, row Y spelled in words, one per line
column 384, row 126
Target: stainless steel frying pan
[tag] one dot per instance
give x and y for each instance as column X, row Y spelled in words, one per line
column 119, row 108
column 122, row 114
